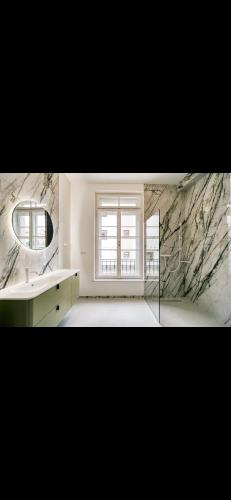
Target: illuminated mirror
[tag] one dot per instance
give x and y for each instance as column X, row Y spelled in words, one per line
column 33, row 225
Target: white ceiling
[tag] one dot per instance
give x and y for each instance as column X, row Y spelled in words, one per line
column 129, row 178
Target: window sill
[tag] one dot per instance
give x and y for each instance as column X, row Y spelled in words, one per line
column 110, row 280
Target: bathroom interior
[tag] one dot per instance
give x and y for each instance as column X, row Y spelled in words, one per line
column 115, row 250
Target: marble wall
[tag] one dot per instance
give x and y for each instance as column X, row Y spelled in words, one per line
column 207, row 244
column 201, row 215
column 170, row 203
column 189, row 180
column 15, row 188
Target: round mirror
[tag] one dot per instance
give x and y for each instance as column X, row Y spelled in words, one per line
column 32, row 225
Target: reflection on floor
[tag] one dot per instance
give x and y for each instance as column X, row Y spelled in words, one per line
column 184, row 313
column 128, row 313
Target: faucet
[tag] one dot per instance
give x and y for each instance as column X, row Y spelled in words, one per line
column 28, row 271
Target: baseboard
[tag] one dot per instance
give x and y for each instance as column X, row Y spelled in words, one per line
column 98, row 297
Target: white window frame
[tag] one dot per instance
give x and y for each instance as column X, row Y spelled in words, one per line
column 119, row 210
column 33, row 226
column 154, row 274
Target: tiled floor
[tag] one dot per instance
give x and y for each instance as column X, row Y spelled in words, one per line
column 184, row 313
column 130, row 313
column 98, row 313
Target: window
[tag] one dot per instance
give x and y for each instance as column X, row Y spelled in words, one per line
column 126, row 233
column 152, row 244
column 30, row 225
column 126, row 255
column 104, row 233
column 119, row 237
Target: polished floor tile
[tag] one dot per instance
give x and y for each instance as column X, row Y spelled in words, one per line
column 184, row 313
column 109, row 313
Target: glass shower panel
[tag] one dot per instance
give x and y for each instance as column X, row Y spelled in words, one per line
column 152, row 264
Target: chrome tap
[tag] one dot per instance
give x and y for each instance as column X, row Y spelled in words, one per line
column 28, row 271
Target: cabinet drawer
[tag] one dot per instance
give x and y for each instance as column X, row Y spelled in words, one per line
column 59, row 304
column 60, row 295
column 45, row 303
column 52, row 319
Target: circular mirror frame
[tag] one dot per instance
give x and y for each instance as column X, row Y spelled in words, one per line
column 48, row 235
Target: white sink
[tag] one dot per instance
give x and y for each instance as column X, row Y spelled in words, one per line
column 27, row 291
column 32, row 284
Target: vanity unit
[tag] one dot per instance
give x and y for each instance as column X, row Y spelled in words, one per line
column 41, row 303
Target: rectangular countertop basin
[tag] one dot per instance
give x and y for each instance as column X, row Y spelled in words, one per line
column 31, row 290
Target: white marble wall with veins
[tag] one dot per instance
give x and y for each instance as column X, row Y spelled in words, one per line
column 203, row 213
column 207, row 243
column 15, row 188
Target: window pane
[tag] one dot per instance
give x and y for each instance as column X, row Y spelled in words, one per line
column 108, row 254
column 24, row 231
column 108, row 232
column 125, row 255
column 23, row 220
column 108, row 244
column 131, row 244
column 128, row 220
column 152, row 244
column 152, row 255
column 130, row 225
column 38, row 230
column 152, row 232
column 110, row 201
column 129, row 267
column 152, row 268
column 38, row 243
column 133, row 254
column 153, row 221
column 132, row 202
column 40, row 220
column 107, row 262
column 108, row 268
column 130, row 264
column 108, row 220
column 128, row 232
column 41, row 231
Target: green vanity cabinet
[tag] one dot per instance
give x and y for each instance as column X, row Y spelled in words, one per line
column 45, row 310
column 15, row 313
column 74, row 288
column 50, row 308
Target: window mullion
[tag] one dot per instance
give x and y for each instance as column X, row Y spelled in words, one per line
column 31, row 229
column 119, row 244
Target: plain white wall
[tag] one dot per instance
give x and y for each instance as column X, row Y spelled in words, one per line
column 83, row 239
column 64, row 222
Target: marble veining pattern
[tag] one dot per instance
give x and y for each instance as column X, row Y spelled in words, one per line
column 189, row 180
column 206, row 233
column 170, row 203
column 201, row 212
column 15, row 188
column 207, row 243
